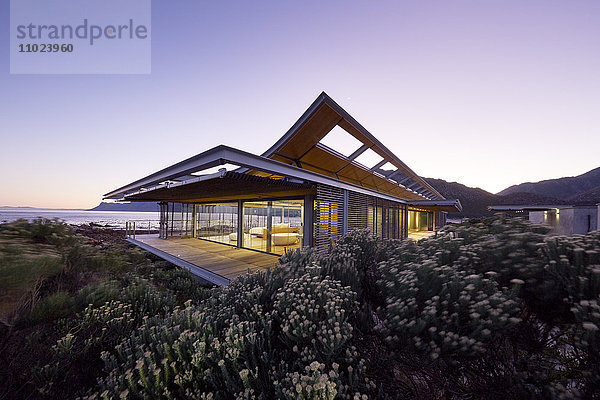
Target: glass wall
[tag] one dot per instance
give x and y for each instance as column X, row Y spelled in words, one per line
column 420, row 220
column 176, row 220
column 273, row 226
column 217, row 222
column 385, row 219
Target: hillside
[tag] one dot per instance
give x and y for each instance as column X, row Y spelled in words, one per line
column 135, row 207
column 475, row 200
column 560, row 188
column 588, row 197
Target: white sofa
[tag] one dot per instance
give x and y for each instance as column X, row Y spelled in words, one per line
column 284, row 239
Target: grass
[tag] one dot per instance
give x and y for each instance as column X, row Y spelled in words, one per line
column 24, row 266
column 50, row 273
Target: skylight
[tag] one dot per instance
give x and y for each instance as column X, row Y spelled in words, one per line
column 368, row 158
column 341, row 141
column 388, row 167
column 213, row 170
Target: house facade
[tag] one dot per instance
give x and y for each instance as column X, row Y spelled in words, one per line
column 325, row 177
column 563, row 219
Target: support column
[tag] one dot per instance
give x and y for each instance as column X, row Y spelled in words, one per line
column 405, row 235
column 164, row 219
column 240, row 223
column 345, row 214
column 269, row 224
column 308, row 221
column 194, row 224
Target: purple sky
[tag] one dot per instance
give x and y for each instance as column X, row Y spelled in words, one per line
column 487, row 93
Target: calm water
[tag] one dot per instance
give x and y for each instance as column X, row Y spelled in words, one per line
column 78, row 217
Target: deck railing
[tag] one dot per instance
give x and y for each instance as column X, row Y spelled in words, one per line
column 141, row 227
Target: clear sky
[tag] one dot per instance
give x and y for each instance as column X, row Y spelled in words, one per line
column 486, row 93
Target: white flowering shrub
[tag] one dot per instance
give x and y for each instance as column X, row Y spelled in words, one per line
column 145, row 299
column 575, row 263
column 444, row 312
column 313, row 314
column 313, row 383
column 491, row 302
column 585, row 338
column 182, row 357
column 490, row 309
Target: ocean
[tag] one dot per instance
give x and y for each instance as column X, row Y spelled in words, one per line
column 113, row 219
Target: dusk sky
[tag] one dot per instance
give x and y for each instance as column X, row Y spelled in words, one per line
column 486, row 93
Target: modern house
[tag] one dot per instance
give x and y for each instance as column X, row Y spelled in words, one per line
column 326, row 176
column 564, row 219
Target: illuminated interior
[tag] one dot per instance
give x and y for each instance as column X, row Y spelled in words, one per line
column 270, row 226
column 419, row 220
column 273, row 226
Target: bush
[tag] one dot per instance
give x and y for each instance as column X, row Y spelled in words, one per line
column 445, row 313
column 57, row 305
column 490, row 309
column 313, row 315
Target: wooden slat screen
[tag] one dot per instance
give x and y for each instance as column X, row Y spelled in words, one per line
column 384, row 218
column 329, row 218
column 358, row 205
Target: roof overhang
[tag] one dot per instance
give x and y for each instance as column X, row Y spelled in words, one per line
column 225, row 186
column 181, row 174
column 437, row 205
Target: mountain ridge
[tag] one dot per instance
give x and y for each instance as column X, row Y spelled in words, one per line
column 133, row 207
column 560, row 188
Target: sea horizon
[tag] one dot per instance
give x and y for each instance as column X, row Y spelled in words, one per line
column 112, row 219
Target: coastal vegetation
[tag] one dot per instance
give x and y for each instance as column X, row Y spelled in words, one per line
column 493, row 308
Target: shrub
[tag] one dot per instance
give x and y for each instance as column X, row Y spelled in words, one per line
column 313, row 315
column 55, row 306
column 443, row 312
column 490, row 309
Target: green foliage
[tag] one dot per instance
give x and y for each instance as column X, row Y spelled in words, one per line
column 313, row 315
column 491, row 302
column 491, row 309
column 57, row 305
column 41, row 231
column 98, row 293
column 443, row 312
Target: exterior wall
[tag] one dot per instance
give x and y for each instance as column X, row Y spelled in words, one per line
column 537, row 217
column 578, row 220
column 565, row 222
column 585, row 219
column 338, row 212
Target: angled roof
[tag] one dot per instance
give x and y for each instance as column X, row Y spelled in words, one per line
column 298, row 157
column 301, row 146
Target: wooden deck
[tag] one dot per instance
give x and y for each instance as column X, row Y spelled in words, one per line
column 214, row 262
